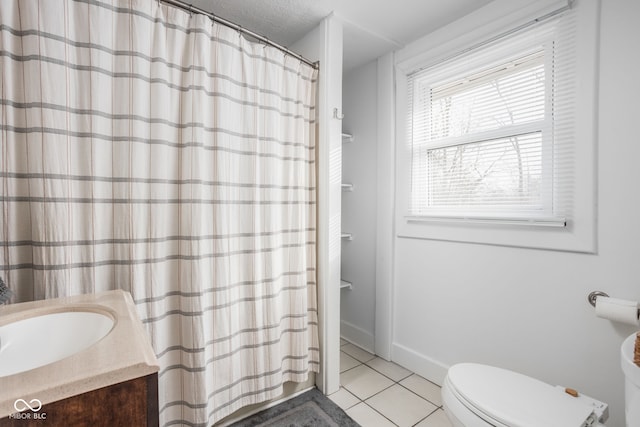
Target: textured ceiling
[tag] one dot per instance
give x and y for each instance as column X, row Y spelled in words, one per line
column 371, row 27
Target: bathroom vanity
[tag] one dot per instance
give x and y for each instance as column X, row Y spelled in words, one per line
column 77, row 361
column 127, row 404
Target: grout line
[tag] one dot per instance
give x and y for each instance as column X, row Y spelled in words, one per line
column 353, row 357
column 382, row 373
column 375, row 394
column 357, row 403
column 386, row 388
column 367, row 351
column 347, row 391
column 383, row 415
column 423, row 398
column 350, row 369
column 398, row 383
column 430, row 413
column 353, row 367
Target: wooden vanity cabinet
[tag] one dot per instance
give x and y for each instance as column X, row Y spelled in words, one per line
column 132, row 403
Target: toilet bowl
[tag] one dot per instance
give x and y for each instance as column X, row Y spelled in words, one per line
column 475, row 395
column 631, row 382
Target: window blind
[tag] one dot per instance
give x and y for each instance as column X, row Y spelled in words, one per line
column 491, row 131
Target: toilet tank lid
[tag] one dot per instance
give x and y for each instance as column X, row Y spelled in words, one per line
column 514, row 399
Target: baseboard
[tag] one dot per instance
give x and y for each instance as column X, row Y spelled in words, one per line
column 357, row 336
column 422, row 365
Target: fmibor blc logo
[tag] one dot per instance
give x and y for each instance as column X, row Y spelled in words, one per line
column 34, row 405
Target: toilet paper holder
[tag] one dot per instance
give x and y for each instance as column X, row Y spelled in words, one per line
column 594, row 295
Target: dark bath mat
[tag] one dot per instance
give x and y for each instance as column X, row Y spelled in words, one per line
column 310, row 409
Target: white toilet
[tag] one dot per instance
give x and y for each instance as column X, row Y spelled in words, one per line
column 631, row 382
column 476, row 395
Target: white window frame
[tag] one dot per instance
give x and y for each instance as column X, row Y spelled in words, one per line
column 580, row 233
column 543, row 126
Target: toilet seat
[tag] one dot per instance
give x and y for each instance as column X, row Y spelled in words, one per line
column 504, row 398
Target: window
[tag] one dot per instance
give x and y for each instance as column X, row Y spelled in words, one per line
column 496, row 129
column 491, row 130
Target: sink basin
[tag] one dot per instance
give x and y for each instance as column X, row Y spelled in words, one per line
column 37, row 341
column 53, row 349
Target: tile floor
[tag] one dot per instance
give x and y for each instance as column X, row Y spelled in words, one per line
column 377, row 393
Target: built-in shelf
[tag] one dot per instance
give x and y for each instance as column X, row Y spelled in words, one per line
column 345, row 285
column 347, row 137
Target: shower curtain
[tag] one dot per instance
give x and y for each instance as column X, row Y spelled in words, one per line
column 152, row 150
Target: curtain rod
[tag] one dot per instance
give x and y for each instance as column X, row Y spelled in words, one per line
column 191, row 9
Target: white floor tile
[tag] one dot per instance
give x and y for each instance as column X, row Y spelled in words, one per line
column 401, row 406
column 347, row 362
column 437, row 419
column 367, row 417
column 388, row 369
column 364, row 382
column 356, row 352
column 423, row 388
column 344, row 399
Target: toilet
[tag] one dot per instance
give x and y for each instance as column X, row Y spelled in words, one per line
column 476, row 395
column 631, row 382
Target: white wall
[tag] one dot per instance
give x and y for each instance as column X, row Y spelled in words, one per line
column 526, row 309
column 324, row 44
column 359, row 158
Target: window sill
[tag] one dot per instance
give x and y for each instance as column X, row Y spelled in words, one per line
column 515, row 221
column 575, row 236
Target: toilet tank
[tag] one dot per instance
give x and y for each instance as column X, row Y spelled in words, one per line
column 631, row 382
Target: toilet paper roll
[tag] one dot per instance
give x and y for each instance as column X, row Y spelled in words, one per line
column 618, row 310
